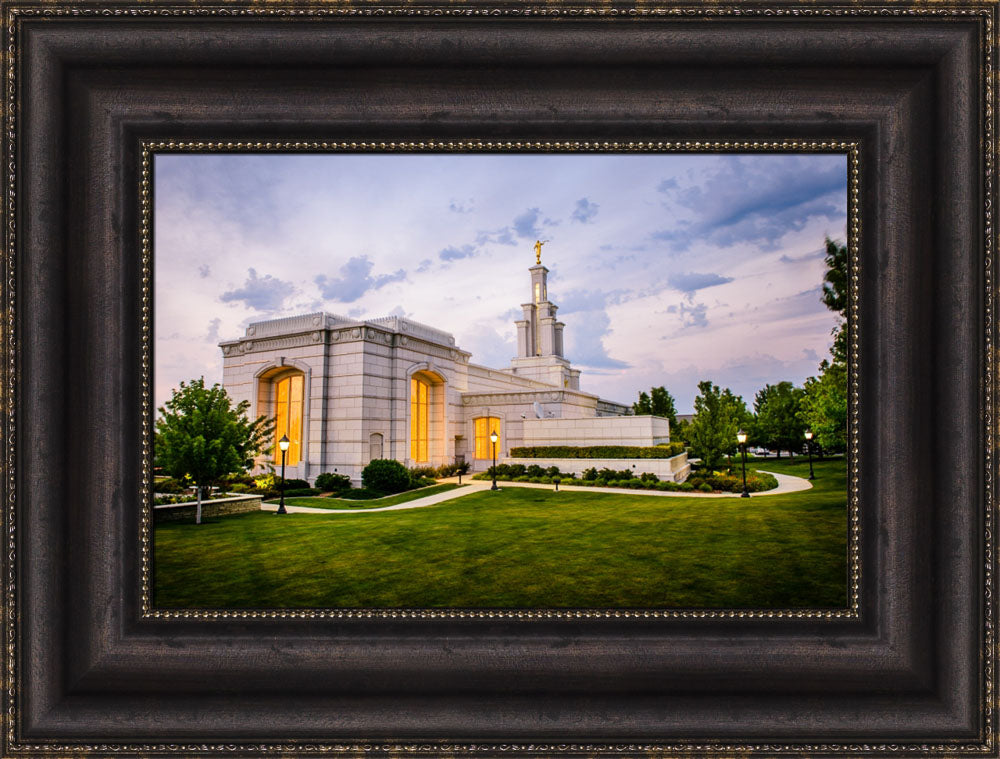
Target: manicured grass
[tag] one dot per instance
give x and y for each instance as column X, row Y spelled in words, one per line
column 376, row 503
column 524, row 548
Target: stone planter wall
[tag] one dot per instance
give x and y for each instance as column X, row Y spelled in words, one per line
column 216, row 507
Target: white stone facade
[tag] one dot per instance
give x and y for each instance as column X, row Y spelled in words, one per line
column 356, row 403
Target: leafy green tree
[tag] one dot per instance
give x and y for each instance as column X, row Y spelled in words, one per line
column 201, row 436
column 779, row 422
column 658, row 402
column 717, row 419
column 662, row 404
column 644, row 405
column 681, row 432
column 835, row 283
column 740, row 415
column 824, row 406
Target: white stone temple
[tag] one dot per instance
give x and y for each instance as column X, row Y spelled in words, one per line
column 346, row 391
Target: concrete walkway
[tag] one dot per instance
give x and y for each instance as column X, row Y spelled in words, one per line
column 786, row 484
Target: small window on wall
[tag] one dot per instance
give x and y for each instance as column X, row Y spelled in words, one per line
column 288, row 417
column 484, row 426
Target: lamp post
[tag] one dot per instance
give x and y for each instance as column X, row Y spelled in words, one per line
column 493, row 439
column 741, row 438
column 283, row 445
column 809, row 447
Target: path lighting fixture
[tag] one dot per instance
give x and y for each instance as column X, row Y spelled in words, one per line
column 741, row 438
column 809, row 448
column 556, row 480
column 493, row 439
column 283, row 445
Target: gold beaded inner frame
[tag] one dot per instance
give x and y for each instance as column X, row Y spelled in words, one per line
column 851, row 149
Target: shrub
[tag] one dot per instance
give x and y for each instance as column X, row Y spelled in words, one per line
column 552, row 471
column 705, row 487
column 300, row 492
column 241, row 478
column 170, row 486
column 635, row 483
column 165, row 499
column 662, row 451
column 423, row 482
column 264, row 482
column 590, row 474
column 687, row 487
column 450, row 470
column 522, row 478
column 421, row 472
column 290, row 484
column 600, row 483
column 333, row 483
column 386, row 476
column 535, row 471
column 649, row 477
column 239, row 487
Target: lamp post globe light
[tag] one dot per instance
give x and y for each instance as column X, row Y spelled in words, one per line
column 493, row 439
column 283, row 445
column 809, row 448
column 741, row 438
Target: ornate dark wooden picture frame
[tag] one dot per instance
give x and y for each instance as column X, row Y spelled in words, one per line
column 90, row 668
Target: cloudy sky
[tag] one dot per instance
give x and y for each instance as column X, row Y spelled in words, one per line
column 667, row 269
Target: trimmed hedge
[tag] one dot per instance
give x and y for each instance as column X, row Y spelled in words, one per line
column 666, row 451
column 332, row 483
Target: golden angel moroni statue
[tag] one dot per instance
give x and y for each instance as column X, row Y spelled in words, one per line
column 538, row 250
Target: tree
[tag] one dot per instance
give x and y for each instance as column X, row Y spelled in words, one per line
column 681, row 433
column 824, row 406
column 662, row 404
column 717, row 418
column 835, row 283
column 779, row 422
column 658, row 402
column 201, row 436
column 644, row 405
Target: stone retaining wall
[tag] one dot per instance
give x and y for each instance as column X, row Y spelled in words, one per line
column 674, row 469
column 216, row 507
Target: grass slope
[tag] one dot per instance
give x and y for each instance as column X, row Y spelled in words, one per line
column 523, row 548
column 316, row 502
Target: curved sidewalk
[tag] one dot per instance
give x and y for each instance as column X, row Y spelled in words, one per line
column 786, row 484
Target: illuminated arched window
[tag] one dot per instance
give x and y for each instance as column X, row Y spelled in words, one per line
column 484, row 426
column 419, row 404
column 288, row 402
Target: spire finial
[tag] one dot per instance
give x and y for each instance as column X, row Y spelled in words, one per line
column 538, row 250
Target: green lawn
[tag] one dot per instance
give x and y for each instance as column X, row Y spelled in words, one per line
column 376, row 503
column 524, row 548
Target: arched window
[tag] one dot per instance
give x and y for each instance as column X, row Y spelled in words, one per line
column 484, row 426
column 288, row 401
column 419, row 405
